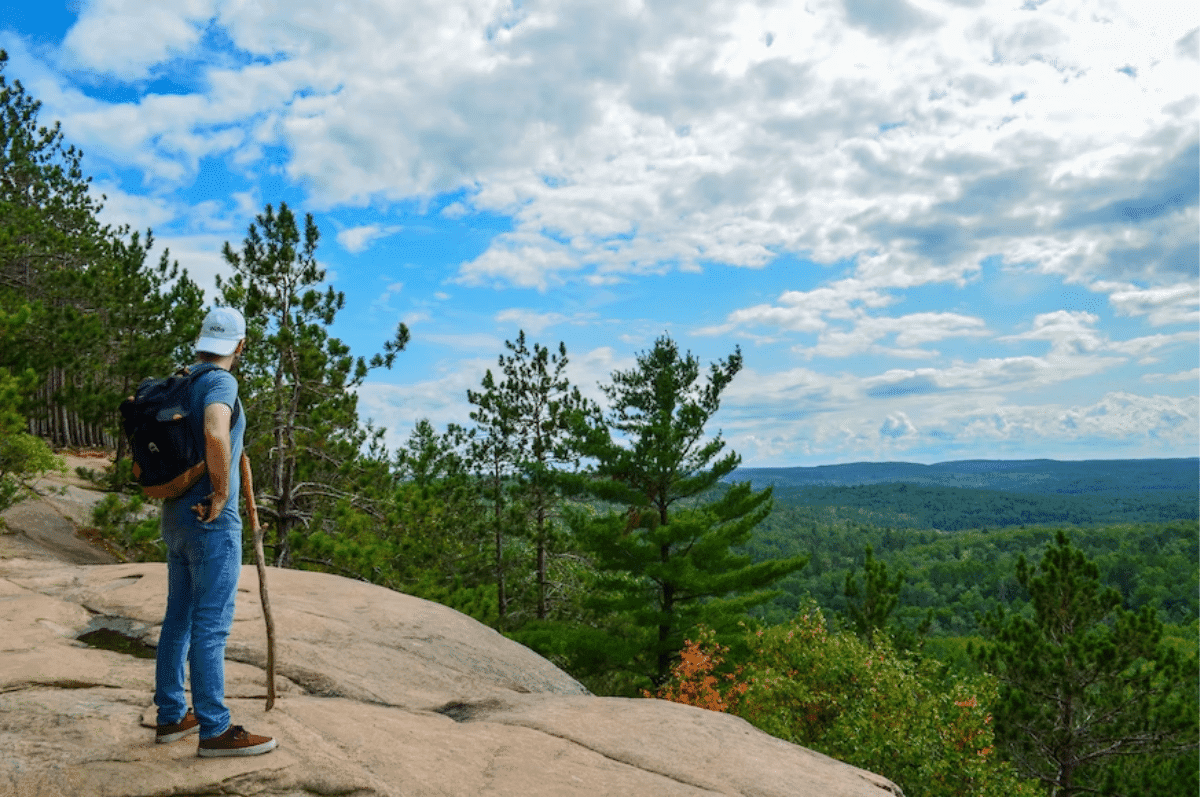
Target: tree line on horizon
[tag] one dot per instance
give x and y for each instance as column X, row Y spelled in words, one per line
column 605, row 537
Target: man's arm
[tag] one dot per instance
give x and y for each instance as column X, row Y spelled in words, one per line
column 218, row 453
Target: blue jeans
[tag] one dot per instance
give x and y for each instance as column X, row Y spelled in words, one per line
column 203, row 565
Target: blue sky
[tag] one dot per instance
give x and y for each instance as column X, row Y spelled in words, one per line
column 938, row 229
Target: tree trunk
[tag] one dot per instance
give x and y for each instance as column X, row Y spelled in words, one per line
column 501, row 598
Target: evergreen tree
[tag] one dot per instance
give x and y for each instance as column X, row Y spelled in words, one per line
column 869, row 607
column 50, row 237
column 413, row 525
column 530, row 408
column 441, row 523
column 22, row 457
column 141, row 321
column 47, row 214
column 297, row 378
column 490, row 455
column 665, row 562
column 1085, row 683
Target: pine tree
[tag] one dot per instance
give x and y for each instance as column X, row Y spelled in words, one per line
column 869, row 607
column 525, row 418
column 140, row 321
column 1084, row 683
column 490, row 455
column 666, row 561
column 297, row 378
column 50, row 237
column 48, row 219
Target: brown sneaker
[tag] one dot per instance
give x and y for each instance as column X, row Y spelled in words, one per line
column 236, row 741
column 173, row 733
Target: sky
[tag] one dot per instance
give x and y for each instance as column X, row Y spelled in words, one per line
column 937, row 229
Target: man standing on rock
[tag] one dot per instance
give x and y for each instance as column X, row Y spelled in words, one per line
column 203, row 533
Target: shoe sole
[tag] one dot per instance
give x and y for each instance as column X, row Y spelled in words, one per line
column 167, row 738
column 221, row 752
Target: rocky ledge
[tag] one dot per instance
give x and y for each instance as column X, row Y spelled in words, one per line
column 379, row 693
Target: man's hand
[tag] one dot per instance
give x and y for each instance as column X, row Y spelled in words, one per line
column 210, row 508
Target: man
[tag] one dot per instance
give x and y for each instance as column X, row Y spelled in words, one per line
column 203, row 533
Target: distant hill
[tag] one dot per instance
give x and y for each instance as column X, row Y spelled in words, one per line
column 1118, row 478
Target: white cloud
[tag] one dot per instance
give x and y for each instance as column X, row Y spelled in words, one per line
column 483, row 342
column 359, row 238
column 534, row 322
column 646, row 137
column 1068, row 332
column 897, row 426
column 1163, row 305
column 839, row 314
column 956, row 427
column 138, row 211
column 442, row 400
column 1147, row 348
column 1190, row 376
column 113, row 37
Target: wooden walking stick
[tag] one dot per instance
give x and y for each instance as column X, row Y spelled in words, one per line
column 260, row 561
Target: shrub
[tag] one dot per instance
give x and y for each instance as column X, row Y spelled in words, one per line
column 130, row 524
column 23, row 458
column 929, row 732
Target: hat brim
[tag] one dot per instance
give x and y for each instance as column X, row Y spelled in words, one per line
column 218, row 347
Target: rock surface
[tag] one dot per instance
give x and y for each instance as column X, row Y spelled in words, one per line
column 380, row 693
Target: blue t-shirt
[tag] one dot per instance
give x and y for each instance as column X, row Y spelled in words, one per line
column 214, row 386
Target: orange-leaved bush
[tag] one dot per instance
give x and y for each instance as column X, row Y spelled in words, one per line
column 695, row 680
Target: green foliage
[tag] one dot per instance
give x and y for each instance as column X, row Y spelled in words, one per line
column 961, row 575
column 869, row 607
column 101, row 319
column 23, row 458
column 47, row 214
column 951, row 508
column 664, row 562
column 297, row 380
column 929, row 732
column 414, row 525
column 1084, row 682
column 524, row 423
column 132, row 525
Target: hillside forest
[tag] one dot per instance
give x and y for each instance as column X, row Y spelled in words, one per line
column 985, row 634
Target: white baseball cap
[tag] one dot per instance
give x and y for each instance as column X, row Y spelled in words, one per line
column 223, row 328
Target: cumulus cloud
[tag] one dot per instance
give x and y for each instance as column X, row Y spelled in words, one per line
column 729, row 133
column 111, row 38
column 1136, row 426
column 121, row 207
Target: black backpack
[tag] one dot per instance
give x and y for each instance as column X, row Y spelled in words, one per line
column 167, row 458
